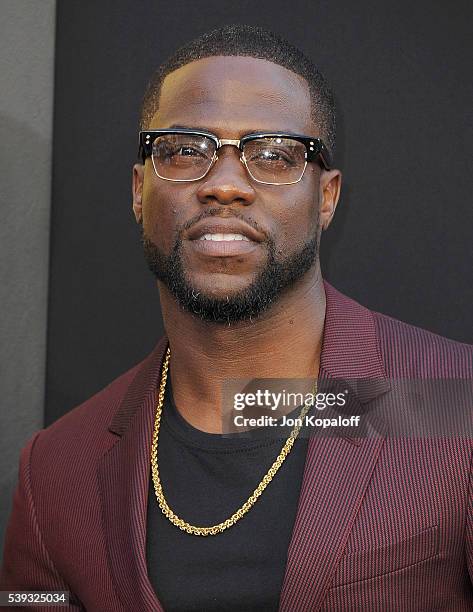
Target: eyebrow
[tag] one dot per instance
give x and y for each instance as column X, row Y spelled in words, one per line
column 177, row 126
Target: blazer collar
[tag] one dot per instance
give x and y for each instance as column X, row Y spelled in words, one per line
column 351, row 357
column 143, row 385
column 350, row 344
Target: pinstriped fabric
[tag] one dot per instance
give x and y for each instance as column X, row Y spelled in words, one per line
column 406, row 548
column 40, row 572
column 124, row 477
column 62, row 494
column 327, row 509
column 337, row 471
column 124, row 480
column 382, row 524
column 350, row 348
column 415, row 353
column 413, row 515
column 411, row 523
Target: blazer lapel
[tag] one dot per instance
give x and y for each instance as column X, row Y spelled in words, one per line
column 338, row 468
column 123, row 475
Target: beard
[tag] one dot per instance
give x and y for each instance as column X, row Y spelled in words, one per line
column 270, row 283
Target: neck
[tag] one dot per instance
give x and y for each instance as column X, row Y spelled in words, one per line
column 284, row 342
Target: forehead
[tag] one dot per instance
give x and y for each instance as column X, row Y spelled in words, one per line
column 234, row 96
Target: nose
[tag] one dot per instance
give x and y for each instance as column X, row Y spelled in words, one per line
column 227, row 181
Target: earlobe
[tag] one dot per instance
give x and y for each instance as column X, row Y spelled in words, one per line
column 137, row 191
column 328, row 220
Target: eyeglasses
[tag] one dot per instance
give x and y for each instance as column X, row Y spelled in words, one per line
column 185, row 155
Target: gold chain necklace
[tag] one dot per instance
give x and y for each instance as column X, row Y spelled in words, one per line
column 250, row 502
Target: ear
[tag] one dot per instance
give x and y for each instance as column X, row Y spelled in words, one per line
column 330, row 186
column 137, row 191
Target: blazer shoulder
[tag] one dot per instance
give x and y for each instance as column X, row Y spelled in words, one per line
column 100, row 408
column 410, row 351
column 82, row 433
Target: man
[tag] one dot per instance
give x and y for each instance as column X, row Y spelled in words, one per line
column 234, row 190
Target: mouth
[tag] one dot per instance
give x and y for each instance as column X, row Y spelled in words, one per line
column 224, row 237
column 224, row 245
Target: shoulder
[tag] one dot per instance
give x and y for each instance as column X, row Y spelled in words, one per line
column 84, row 433
column 99, row 408
column 365, row 337
column 408, row 350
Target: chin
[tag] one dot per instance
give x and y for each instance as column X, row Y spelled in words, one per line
column 219, row 286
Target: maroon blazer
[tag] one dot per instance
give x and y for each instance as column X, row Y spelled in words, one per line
column 382, row 523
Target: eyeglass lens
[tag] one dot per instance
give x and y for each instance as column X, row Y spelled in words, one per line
column 188, row 157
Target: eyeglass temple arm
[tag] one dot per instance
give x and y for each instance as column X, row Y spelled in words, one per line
column 141, row 149
column 321, row 153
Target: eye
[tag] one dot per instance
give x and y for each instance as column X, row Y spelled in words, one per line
column 271, row 156
column 180, row 149
column 187, row 151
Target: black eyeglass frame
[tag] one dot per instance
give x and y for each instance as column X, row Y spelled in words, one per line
column 315, row 147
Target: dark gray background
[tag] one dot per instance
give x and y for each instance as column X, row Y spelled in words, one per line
column 26, row 118
column 401, row 240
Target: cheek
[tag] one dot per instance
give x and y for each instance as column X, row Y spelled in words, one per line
column 295, row 219
column 163, row 214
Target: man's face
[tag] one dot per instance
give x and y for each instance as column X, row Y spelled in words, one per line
column 230, row 97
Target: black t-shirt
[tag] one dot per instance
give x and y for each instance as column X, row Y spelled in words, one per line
column 205, row 478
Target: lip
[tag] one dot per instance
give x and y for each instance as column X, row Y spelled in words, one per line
column 224, row 248
column 217, row 225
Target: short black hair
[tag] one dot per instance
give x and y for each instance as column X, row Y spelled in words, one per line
column 249, row 41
